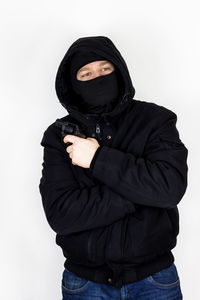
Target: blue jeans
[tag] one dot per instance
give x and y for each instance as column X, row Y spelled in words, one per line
column 163, row 285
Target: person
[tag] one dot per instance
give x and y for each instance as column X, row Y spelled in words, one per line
column 111, row 188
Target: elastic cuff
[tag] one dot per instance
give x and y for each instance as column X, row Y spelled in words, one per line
column 94, row 157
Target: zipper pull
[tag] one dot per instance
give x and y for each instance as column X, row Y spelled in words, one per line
column 98, row 131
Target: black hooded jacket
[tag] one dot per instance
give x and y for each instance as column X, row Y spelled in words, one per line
column 118, row 220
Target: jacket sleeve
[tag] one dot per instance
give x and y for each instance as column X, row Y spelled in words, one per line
column 70, row 208
column 157, row 178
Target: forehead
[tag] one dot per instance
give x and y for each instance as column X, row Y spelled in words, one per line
column 93, row 64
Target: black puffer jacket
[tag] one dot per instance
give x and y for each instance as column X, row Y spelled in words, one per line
column 117, row 221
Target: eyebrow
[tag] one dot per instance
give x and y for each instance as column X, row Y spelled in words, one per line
column 101, row 64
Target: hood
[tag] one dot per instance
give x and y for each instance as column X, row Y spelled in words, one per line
column 103, row 46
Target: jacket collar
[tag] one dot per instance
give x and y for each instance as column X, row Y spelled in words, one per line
column 92, row 118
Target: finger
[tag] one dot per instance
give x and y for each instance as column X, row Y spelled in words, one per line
column 70, row 138
column 91, row 139
column 69, row 149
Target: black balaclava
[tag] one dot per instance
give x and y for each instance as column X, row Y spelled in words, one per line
column 99, row 94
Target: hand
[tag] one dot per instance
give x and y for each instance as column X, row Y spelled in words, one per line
column 82, row 150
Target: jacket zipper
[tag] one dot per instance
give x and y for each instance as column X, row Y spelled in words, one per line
column 90, row 253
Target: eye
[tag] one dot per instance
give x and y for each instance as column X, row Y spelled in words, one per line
column 106, row 68
column 84, row 75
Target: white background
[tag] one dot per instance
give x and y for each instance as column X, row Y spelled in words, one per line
column 159, row 41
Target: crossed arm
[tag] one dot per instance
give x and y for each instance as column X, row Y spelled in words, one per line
column 158, row 178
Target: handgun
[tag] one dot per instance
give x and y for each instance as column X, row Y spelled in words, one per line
column 69, row 128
